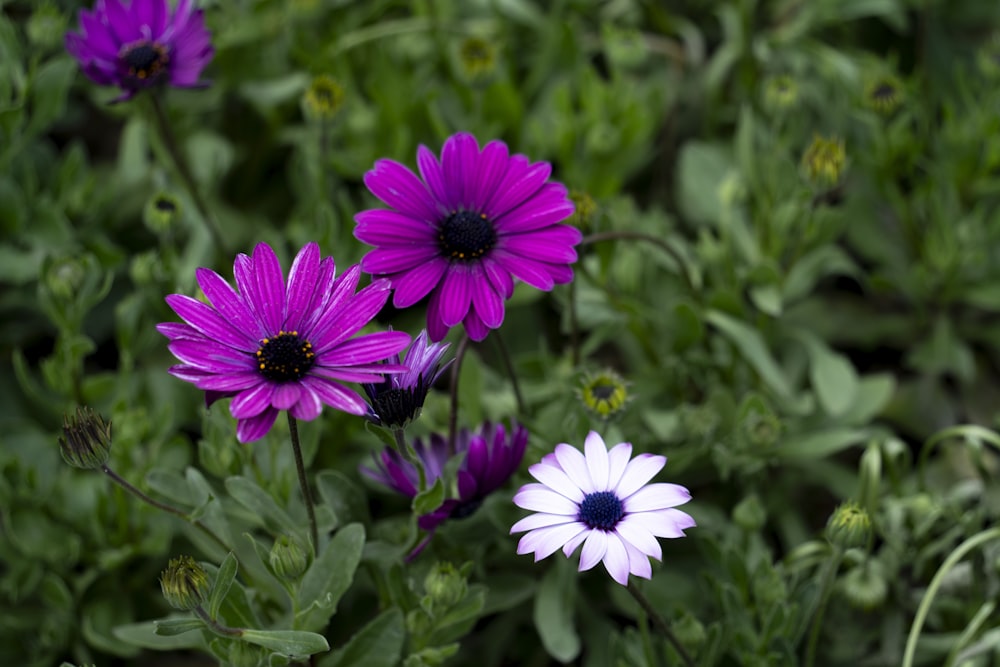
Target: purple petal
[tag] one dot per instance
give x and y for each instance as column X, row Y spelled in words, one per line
column 246, row 281
column 617, row 462
column 414, row 285
column 490, row 172
column 639, row 470
column 456, row 294
column 120, row 23
column 209, row 322
column 342, row 323
column 575, row 466
column 436, row 328
column 211, row 356
column 398, row 187
column 255, row 428
column 498, row 277
column 252, row 402
column 488, row 304
column 536, row 274
column 366, row 349
column 474, row 326
column 669, row 523
column 633, row 533
column 539, row 498
column 616, row 560
column 557, row 480
column 309, row 405
column 229, row 382
column 540, row 520
column 430, row 171
column 553, row 244
column 656, row 497
column 396, row 259
column 593, row 549
column 286, row 395
column 323, row 292
column 638, row 563
column 389, row 228
column 174, row 330
column 270, row 287
column 337, row 396
column 549, row 206
column 229, row 304
column 152, row 14
column 546, row 541
column 572, row 544
column 459, row 162
column 301, row 286
column 597, row 460
column 521, row 181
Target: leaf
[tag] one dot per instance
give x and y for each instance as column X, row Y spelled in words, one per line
column 751, row 346
column 832, row 376
column 329, row 577
column 343, row 496
column 144, row 635
column 48, row 92
column 170, row 485
column 378, row 644
column 170, row 627
column 223, row 582
column 817, row 445
column 259, row 502
column 289, row 642
column 702, row 168
column 430, row 499
column 872, row 395
column 554, row 606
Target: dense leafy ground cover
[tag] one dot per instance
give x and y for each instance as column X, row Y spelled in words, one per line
column 784, row 244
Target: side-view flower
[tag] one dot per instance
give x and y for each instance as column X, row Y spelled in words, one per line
column 399, row 398
column 274, row 347
column 138, row 44
column 600, row 499
column 476, row 221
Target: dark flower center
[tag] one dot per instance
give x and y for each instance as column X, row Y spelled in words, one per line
column 601, row 510
column 466, row 235
column 396, row 407
column 602, row 392
column 164, row 204
column 884, row 91
column 466, row 509
column 285, row 357
column 145, row 60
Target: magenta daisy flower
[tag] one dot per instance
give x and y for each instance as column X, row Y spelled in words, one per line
column 398, row 399
column 138, row 44
column 491, row 456
column 273, row 346
column 601, row 500
column 476, row 221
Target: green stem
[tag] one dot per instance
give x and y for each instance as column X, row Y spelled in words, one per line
column 453, row 413
column 925, row 604
column 293, row 431
column 826, row 587
column 621, row 235
column 509, row 365
column 574, row 326
column 184, row 169
column 169, row 509
column 217, row 627
column 660, row 623
column 407, row 453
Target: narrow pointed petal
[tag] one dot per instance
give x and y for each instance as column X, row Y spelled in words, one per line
column 638, row 563
column 539, row 498
column 252, row 402
column 556, row 479
column 540, row 520
column 546, row 541
column 617, row 462
column 656, row 497
column 616, row 560
column 575, row 466
column 255, row 428
column 594, row 549
column 301, row 286
column 639, row 470
column 669, row 523
column 636, row 534
column 597, row 460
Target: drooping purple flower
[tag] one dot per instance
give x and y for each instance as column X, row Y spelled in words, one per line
column 398, row 399
column 491, row 456
column 137, row 44
column 274, row 347
column 601, row 500
column 476, row 221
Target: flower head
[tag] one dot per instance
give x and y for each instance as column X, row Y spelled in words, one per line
column 491, row 456
column 273, row 346
column 139, row 44
column 324, row 98
column 849, row 526
column 601, row 500
column 398, row 399
column 884, row 94
column 781, row 92
column 86, row 441
column 477, row 57
column 476, row 221
column 605, row 394
column 823, row 162
column 184, row 583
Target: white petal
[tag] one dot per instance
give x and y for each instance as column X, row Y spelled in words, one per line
column 571, row 546
column 593, row 549
column 639, row 471
column 635, row 533
column 541, row 520
column 638, row 564
column 575, row 466
column 617, row 460
column 663, row 523
column 540, row 498
column 656, row 497
column 545, row 541
column 557, row 480
column 597, row 460
column 616, row 560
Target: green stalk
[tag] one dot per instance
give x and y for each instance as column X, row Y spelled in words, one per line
column 293, row 431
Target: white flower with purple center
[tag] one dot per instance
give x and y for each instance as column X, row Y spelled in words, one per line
column 603, row 501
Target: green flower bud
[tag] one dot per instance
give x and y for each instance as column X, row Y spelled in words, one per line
column 146, row 268
column 162, row 212
column 781, row 93
column 445, row 585
column 689, row 631
column 184, row 583
column 585, row 209
column 323, row 99
column 849, row 526
column 824, row 160
column 477, row 57
column 865, row 586
column 884, row 94
column 86, row 440
column 46, row 27
column 65, row 277
column 604, row 394
column 762, row 428
column 288, row 559
column 749, row 514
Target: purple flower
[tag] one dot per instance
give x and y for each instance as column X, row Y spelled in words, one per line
column 476, row 221
column 139, row 44
column 491, row 456
column 274, row 347
column 601, row 500
column 398, row 399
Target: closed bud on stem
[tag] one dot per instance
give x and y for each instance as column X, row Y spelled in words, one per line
column 849, row 526
column 445, row 585
column 824, row 160
column 184, row 583
column 865, row 585
column 288, row 559
column 162, row 212
column 323, row 99
column 604, row 394
column 86, row 440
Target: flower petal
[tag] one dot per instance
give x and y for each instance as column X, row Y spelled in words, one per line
column 540, row 520
column 638, row 563
column 656, row 497
column 546, row 541
column 456, row 294
column 286, row 395
column 552, row 244
column 668, row 523
column 398, row 187
column 255, row 428
column 635, row 534
column 594, row 549
column 309, row 406
column 487, row 303
column 575, row 466
column 616, row 560
column 413, row 285
column 597, row 460
column 252, row 402
column 301, row 290
column 366, row 349
column 430, row 171
column 572, row 544
column 343, row 322
column 639, row 470
column 540, row 498
column 206, row 320
column 557, row 480
column 617, row 462
column 270, row 287
column 230, row 305
column 337, row 396
column 380, row 227
column 459, row 162
column 521, row 181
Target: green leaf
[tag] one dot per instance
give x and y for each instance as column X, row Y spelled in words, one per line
column 872, row 395
column 820, row 444
column 48, row 92
column 751, row 346
column 289, row 642
column 144, row 635
column 259, row 502
column 223, row 582
column 687, row 326
column 378, row 644
column 329, row 577
column 554, row 606
column 702, row 168
column 170, row 627
column 343, row 496
column 170, row 485
column 430, row 499
column 831, row 374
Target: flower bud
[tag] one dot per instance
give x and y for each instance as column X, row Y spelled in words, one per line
column 781, row 93
column 585, row 209
column 46, row 27
column 689, row 631
column 445, row 585
column 749, row 514
column 865, row 585
column 884, row 94
column 162, row 212
column 64, row 278
column 323, row 99
column 849, row 526
column 604, row 394
column 478, row 59
column 288, row 559
column 184, row 583
column 86, row 440
column 824, row 161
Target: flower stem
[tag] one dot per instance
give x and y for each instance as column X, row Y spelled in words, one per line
column 293, row 431
column 453, row 414
column 410, row 456
column 509, row 365
column 574, row 326
column 826, row 587
column 217, row 627
column 169, row 509
column 622, row 235
column 661, row 624
column 184, row 169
